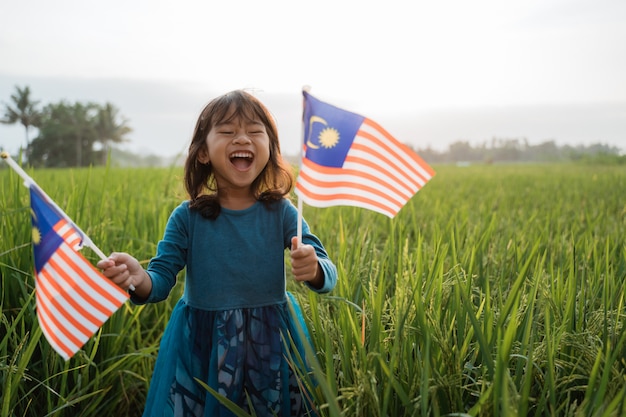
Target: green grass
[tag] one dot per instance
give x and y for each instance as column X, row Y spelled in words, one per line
column 497, row 291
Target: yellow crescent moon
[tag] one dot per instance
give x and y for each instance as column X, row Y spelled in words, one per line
column 314, row 119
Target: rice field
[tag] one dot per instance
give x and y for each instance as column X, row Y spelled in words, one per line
column 497, row 291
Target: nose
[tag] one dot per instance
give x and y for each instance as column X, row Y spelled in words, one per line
column 241, row 138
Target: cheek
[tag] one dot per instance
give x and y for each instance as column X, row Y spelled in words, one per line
column 270, row 149
column 266, row 156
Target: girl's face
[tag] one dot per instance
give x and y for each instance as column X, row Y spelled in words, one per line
column 238, row 150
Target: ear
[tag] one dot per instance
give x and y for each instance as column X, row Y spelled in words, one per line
column 203, row 156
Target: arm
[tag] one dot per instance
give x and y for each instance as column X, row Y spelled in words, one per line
column 155, row 283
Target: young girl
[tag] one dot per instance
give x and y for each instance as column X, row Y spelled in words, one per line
column 232, row 327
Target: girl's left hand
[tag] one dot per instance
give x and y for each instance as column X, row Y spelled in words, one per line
column 304, row 265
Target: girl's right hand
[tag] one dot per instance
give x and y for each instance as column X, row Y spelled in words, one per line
column 124, row 270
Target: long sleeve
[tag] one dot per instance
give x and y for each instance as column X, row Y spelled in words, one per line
column 170, row 258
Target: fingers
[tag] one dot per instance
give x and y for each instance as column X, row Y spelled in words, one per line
column 305, row 274
column 105, row 264
column 303, row 261
column 117, row 270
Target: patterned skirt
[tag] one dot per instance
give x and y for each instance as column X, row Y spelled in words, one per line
column 242, row 354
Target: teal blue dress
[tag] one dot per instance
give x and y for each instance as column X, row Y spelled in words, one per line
column 229, row 328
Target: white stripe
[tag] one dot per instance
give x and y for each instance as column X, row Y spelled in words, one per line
column 345, row 201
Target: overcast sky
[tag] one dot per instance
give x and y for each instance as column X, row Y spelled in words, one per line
column 430, row 72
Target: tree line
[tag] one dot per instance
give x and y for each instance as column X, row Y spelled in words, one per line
column 69, row 134
column 510, row 150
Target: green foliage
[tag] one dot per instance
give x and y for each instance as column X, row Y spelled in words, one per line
column 66, row 136
column 519, row 150
column 497, row 291
column 69, row 132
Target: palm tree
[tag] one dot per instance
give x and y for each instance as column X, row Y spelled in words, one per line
column 109, row 130
column 24, row 111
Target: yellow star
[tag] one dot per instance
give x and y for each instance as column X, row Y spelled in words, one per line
column 36, row 236
column 329, row 137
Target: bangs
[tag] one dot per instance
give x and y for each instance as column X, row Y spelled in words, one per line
column 235, row 105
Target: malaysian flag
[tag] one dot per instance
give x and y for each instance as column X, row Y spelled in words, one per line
column 73, row 298
column 350, row 160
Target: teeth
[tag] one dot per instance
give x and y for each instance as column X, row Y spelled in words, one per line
column 241, row 155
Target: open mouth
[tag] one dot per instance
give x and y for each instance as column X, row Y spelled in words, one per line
column 241, row 160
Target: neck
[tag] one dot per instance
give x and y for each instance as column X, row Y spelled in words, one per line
column 236, row 201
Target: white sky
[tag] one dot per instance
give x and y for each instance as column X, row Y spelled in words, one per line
column 430, row 72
